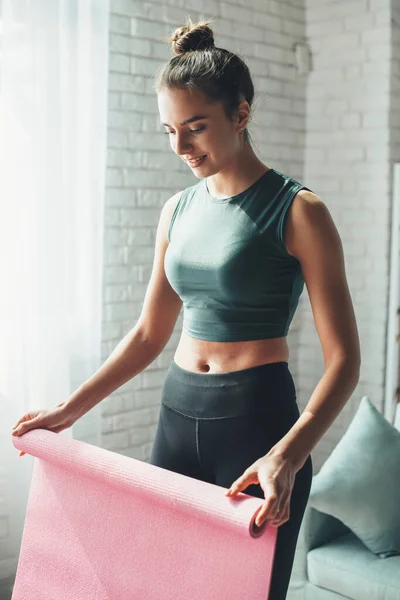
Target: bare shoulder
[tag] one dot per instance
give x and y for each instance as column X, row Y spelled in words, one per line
column 308, row 215
column 166, row 215
column 306, row 201
column 171, row 203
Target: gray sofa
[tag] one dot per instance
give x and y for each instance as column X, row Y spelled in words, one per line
column 349, row 541
column 333, row 564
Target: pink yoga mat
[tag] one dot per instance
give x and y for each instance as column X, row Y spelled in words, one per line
column 102, row 526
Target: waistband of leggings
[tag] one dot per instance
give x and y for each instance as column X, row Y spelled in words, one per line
column 269, row 370
column 263, row 388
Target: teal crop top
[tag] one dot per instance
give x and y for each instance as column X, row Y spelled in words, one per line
column 227, row 261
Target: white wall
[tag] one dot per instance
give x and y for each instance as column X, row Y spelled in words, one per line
column 348, row 165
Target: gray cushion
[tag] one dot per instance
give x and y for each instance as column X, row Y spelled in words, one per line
column 347, row 567
column 359, row 483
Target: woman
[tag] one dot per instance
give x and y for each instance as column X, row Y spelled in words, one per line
column 236, row 249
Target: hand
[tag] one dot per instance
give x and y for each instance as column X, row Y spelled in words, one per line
column 276, row 476
column 54, row 419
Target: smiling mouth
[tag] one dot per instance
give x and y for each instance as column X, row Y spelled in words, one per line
column 196, row 160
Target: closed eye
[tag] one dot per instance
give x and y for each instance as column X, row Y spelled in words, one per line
column 192, row 130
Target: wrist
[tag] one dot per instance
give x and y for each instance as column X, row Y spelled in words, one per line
column 284, row 455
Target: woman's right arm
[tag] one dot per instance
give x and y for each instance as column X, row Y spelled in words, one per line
column 134, row 352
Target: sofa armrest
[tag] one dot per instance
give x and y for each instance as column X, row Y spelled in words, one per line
column 322, row 528
column 316, row 529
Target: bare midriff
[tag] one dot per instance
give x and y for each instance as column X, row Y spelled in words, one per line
column 201, row 356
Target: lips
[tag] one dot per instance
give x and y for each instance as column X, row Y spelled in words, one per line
column 189, row 160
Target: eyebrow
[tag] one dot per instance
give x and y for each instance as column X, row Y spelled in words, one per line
column 195, row 118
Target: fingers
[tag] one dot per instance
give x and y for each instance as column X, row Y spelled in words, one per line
column 268, row 509
column 275, row 512
column 24, row 426
column 16, row 430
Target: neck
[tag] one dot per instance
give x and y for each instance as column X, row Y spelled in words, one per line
column 236, row 177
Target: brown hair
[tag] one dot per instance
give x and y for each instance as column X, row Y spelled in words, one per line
column 220, row 74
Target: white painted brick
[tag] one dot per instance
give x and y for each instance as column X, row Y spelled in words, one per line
column 160, row 161
column 152, row 123
column 124, row 158
column 285, row 73
column 113, row 178
column 121, row 82
column 134, row 8
column 138, row 216
column 339, row 55
column 114, row 441
column 137, row 437
column 382, row 17
column 374, row 119
column 293, row 11
column 120, row 43
column 351, row 121
column 120, row 24
column 141, row 236
column 138, row 103
column 116, row 256
column 236, row 13
column 133, row 452
column 119, row 63
column 118, row 197
column 375, row 5
column 144, row 66
column 113, row 100
column 293, row 28
column 110, row 330
column 379, row 51
column 359, row 22
column 149, row 197
column 336, row 11
column 273, row 53
column 316, row 30
column 118, row 311
column 353, row 72
column 151, row 30
column 115, row 293
column 147, row 141
column 117, row 138
column 117, row 275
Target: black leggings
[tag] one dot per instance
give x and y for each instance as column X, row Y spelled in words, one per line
column 212, row 427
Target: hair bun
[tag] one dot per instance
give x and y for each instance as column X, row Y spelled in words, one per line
column 193, row 36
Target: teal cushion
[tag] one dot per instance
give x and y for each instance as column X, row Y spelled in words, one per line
column 359, row 483
column 347, row 567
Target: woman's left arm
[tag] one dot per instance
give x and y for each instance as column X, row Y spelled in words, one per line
column 312, row 237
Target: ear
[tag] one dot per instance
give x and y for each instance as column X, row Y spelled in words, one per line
column 243, row 113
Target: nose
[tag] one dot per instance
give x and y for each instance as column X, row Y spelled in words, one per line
column 182, row 145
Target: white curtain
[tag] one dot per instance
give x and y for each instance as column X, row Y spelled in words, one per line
column 53, row 108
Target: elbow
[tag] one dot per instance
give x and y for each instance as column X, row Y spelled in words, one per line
column 349, row 365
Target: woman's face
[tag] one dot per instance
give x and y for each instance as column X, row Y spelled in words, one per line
column 213, row 135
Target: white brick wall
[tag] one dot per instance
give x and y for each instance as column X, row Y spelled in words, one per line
column 348, row 165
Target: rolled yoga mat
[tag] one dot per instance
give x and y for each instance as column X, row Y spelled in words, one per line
column 102, row 526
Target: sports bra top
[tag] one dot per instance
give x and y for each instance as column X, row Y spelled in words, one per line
column 227, row 261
